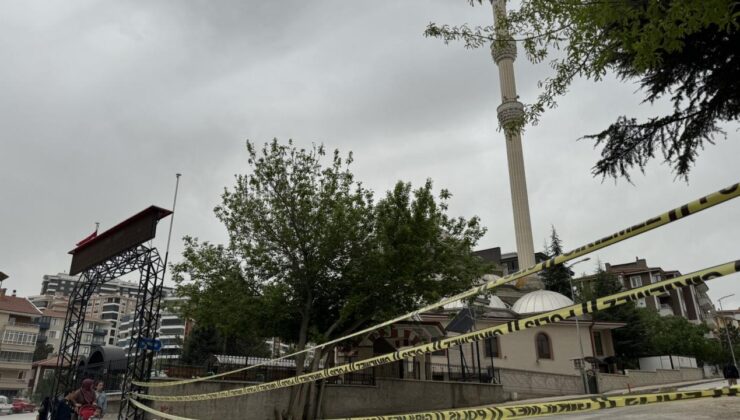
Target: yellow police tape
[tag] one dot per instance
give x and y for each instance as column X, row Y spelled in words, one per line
column 557, row 315
column 688, row 209
column 558, row 407
column 529, row 410
column 163, row 415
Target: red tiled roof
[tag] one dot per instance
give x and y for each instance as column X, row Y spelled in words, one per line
column 18, row 305
column 50, row 362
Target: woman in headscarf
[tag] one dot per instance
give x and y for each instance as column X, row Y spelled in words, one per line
column 84, row 399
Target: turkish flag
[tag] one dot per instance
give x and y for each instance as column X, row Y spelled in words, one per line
column 89, row 238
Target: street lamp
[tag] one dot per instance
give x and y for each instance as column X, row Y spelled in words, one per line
column 581, row 366
column 727, row 331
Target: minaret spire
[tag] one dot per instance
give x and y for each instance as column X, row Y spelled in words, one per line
column 509, row 112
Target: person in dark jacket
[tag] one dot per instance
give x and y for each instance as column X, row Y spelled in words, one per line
column 731, row 374
column 84, row 399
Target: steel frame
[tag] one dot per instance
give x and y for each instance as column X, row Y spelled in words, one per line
column 146, row 319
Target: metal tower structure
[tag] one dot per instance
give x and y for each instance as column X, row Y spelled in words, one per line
column 117, row 252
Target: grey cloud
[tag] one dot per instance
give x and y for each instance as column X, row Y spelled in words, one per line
column 103, row 102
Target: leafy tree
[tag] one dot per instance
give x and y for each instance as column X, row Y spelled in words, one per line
column 675, row 335
column 321, row 259
column 201, row 343
column 631, row 341
column 219, row 297
column 42, row 351
column 721, row 333
column 556, row 278
column 682, row 50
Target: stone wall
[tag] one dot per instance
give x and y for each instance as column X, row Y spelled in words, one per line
column 392, row 396
column 637, row 378
column 388, row 396
column 529, row 384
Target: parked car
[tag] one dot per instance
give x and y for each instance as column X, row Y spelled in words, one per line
column 22, row 405
column 5, row 406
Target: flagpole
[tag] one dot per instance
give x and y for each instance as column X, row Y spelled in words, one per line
column 172, row 220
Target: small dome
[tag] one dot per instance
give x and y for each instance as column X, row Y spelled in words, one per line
column 495, row 302
column 454, row 306
column 540, row 301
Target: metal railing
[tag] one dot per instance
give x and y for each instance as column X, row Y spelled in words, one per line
column 400, row 370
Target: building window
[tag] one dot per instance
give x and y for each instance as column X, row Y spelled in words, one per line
column 19, row 337
column 641, row 303
column 598, row 346
column 493, row 347
column 635, row 281
column 544, row 346
column 15, row 357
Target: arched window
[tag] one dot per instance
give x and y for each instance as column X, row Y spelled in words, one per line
column 543, row 345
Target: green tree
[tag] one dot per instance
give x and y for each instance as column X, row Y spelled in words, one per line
column 682, row 50
column 721, row 333
column 42, row 351
column 557, row 278
column 220, row 297
column 675, row 335
column 201, row 343
column 631, row 341
column 322, row 259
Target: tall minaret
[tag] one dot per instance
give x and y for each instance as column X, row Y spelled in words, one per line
column 510, row 111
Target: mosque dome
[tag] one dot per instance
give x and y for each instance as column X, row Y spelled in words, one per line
column 495, row 302
column 453, row 306
column 540, row 301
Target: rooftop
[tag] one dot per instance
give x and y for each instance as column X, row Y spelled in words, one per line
column 18, row 305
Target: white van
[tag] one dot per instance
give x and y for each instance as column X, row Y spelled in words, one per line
column 5, row 406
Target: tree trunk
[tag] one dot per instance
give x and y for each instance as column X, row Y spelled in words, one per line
column 316, row 396
column 297, row 395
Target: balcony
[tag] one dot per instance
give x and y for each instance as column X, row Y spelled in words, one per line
column 22, row 327
column 665, row 310
column 16, row 364
column 12, row 383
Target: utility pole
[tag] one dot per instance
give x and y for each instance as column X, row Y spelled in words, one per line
column 581, row 366
column 510, row 112
column 727, row 330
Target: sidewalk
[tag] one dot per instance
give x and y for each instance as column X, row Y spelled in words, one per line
column 639, row 390
column 659, row 388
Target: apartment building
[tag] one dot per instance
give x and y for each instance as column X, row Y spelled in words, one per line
column 110, row 313
column 689, row 302
column 63, row 285
column 19, row 333
column 728, row 317
column 51, row 327
column 111, row 308
column 172, row 328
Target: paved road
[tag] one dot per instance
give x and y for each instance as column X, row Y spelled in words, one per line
column 704, row 408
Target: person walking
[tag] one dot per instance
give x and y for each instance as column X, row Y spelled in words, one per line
column 101, row 399
column 731, row 373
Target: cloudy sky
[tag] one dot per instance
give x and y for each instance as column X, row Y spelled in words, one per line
column 101, row 103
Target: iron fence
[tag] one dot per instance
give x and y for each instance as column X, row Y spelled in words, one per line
column 403, row 369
